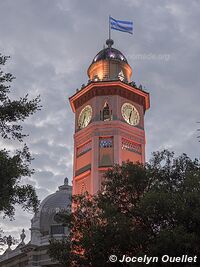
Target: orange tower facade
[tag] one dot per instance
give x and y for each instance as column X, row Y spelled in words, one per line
column 109, row 120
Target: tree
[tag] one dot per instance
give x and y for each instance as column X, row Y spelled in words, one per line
column 151, row 209
column 15, row 165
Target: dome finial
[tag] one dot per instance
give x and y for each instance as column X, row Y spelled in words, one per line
column 66, row 181
column 65, row 186
column 9, row 242
column 23, row 236
column 109, row 42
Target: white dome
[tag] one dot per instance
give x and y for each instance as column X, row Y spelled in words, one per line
column 44, row 223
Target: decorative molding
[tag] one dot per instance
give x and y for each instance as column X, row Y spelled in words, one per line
column 133, row 138
column 83, row 169
column 106, row 133
column 101, row 91
column 82, row 175
column 131, row 146
column 81, row 140
column 109, row 88
column 105, row 142
column 81, row 150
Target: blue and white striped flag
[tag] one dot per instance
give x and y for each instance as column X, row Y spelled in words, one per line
column 121, row 25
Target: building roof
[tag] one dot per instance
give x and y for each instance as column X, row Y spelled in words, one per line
column 53, row 204
column 43, row 226
column 111, row 54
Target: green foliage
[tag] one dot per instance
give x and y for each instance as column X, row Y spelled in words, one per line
column 11, row 192
column 151, row 209
column 15, row 165
column 62, row 250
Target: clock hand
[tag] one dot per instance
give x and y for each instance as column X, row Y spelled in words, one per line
column 83, row 120
column 130, row 115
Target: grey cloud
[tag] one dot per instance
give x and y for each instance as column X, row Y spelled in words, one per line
column 52, row 43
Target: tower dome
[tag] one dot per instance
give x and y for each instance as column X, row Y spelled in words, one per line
column 109, row 53
column 59, row 201
column 109, row 64
column 45, row 223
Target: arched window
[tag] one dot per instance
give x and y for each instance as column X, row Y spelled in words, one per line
column 106, row 113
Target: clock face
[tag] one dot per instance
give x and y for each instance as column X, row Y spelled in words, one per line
column 85, row 116
column 130, row 114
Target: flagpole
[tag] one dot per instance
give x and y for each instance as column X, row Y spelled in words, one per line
column 109, row 38
column 109, row 35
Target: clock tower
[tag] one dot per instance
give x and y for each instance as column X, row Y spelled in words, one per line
column 109, row 120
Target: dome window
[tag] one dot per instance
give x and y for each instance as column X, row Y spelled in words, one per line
column 57, row 229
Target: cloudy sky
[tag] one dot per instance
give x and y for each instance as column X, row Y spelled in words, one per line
column 52, row 43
